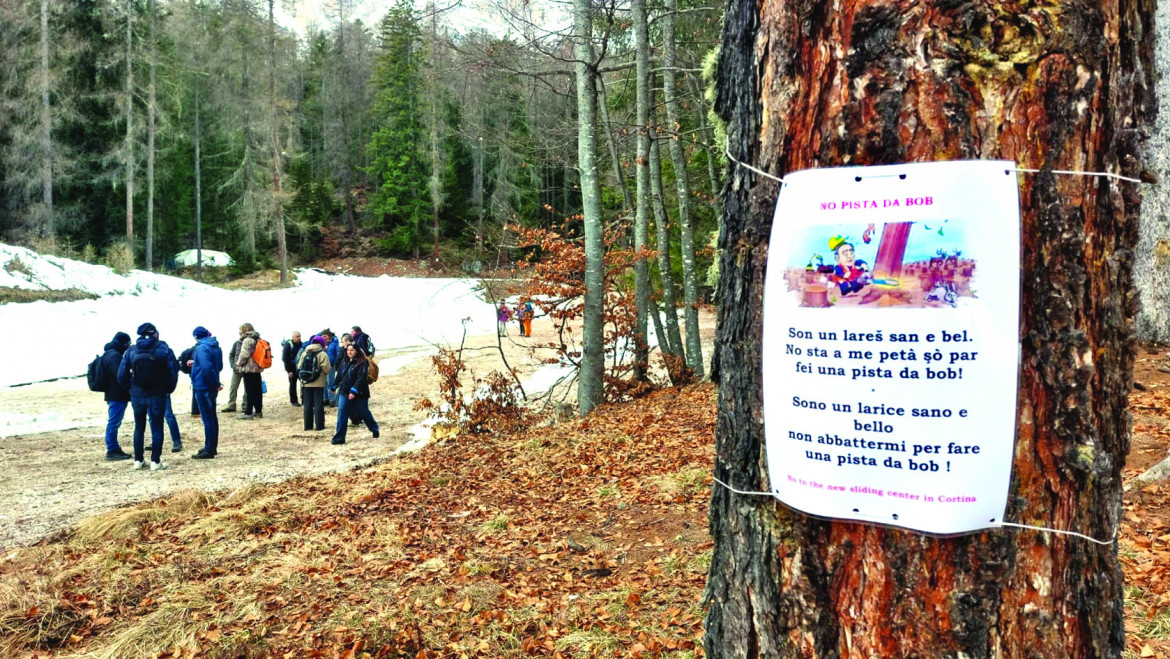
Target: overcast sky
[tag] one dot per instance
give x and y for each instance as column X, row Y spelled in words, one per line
column 469, row 16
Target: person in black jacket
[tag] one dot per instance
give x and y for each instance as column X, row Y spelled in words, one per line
column 150, row 371
column 353, row 393
column 289, row 356
column 116, row 396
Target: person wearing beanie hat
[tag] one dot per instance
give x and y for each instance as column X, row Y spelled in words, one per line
column 206, row 362
column 237, row 375
column 150, row 372
column 117, row 397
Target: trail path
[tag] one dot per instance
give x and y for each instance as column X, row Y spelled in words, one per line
column 52, row 480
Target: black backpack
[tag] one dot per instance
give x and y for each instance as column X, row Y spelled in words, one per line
column 184, row 357
column 96, row 375
column 309, row 370
column 150, row 371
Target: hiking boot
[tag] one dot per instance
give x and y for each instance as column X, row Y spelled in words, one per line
column 229, row 408
column 177, row 448
column 138, row 464
column 157, row 466
column 246, row 417
column 203, row 455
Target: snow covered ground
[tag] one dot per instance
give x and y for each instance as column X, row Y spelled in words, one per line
column 48, row 340
column 53, row 340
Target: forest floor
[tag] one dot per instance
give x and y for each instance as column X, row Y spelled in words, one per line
column 1145, row 527
column 585, row 538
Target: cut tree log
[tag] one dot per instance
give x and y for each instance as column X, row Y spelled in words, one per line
column 1158, row 472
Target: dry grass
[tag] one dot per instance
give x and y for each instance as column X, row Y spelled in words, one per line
column 11, row 294
column 682, row 483
column 127, row 522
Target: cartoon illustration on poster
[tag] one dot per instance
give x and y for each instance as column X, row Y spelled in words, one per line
column 906, row 264
column 891, row 343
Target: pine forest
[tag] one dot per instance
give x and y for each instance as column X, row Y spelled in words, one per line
column 136, row 129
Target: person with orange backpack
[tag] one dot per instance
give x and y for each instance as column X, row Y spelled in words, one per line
column 255, row 356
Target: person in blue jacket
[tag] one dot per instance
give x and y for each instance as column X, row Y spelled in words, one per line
column 150, row 371
column 205, row 364
column 117, row 397
column 353, row 393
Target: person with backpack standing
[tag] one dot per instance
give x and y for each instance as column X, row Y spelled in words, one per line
column 288, row 355
column 150, row 371
column 117, row 396
column 353, row 394
column 526, row 317
column 255, row 356
column 205, row 364
column 333, row 349
column 362, row 341
column 503, row 315
column 237, row 376
column 312, row 371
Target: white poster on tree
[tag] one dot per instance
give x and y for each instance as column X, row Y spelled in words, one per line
column 890, row 355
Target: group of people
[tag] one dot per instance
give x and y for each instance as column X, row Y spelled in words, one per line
column 143, row 375
column 331, row 372
column 523, row 314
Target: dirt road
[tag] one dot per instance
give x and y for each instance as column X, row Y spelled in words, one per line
column 52, row 480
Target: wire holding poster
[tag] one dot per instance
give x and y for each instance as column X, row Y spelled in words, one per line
column 891, row 316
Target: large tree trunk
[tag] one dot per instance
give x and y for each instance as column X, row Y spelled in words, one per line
column 246, row 98
column 642, row 185
column 1152, row 271
column 198, row 191
column 129, row 149
column 150, row 143
column 346, row 182
column 281, row 243
column 590, row 384
column 672, row 342
column 46, row 126
column 1053, row 86
column 682, row 187
column 436, row 182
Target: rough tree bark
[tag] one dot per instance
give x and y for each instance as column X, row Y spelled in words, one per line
column 1051, row 86
column 1152, row 271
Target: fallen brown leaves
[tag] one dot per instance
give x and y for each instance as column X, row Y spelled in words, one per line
column 583, row 539
column 1144, row 546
